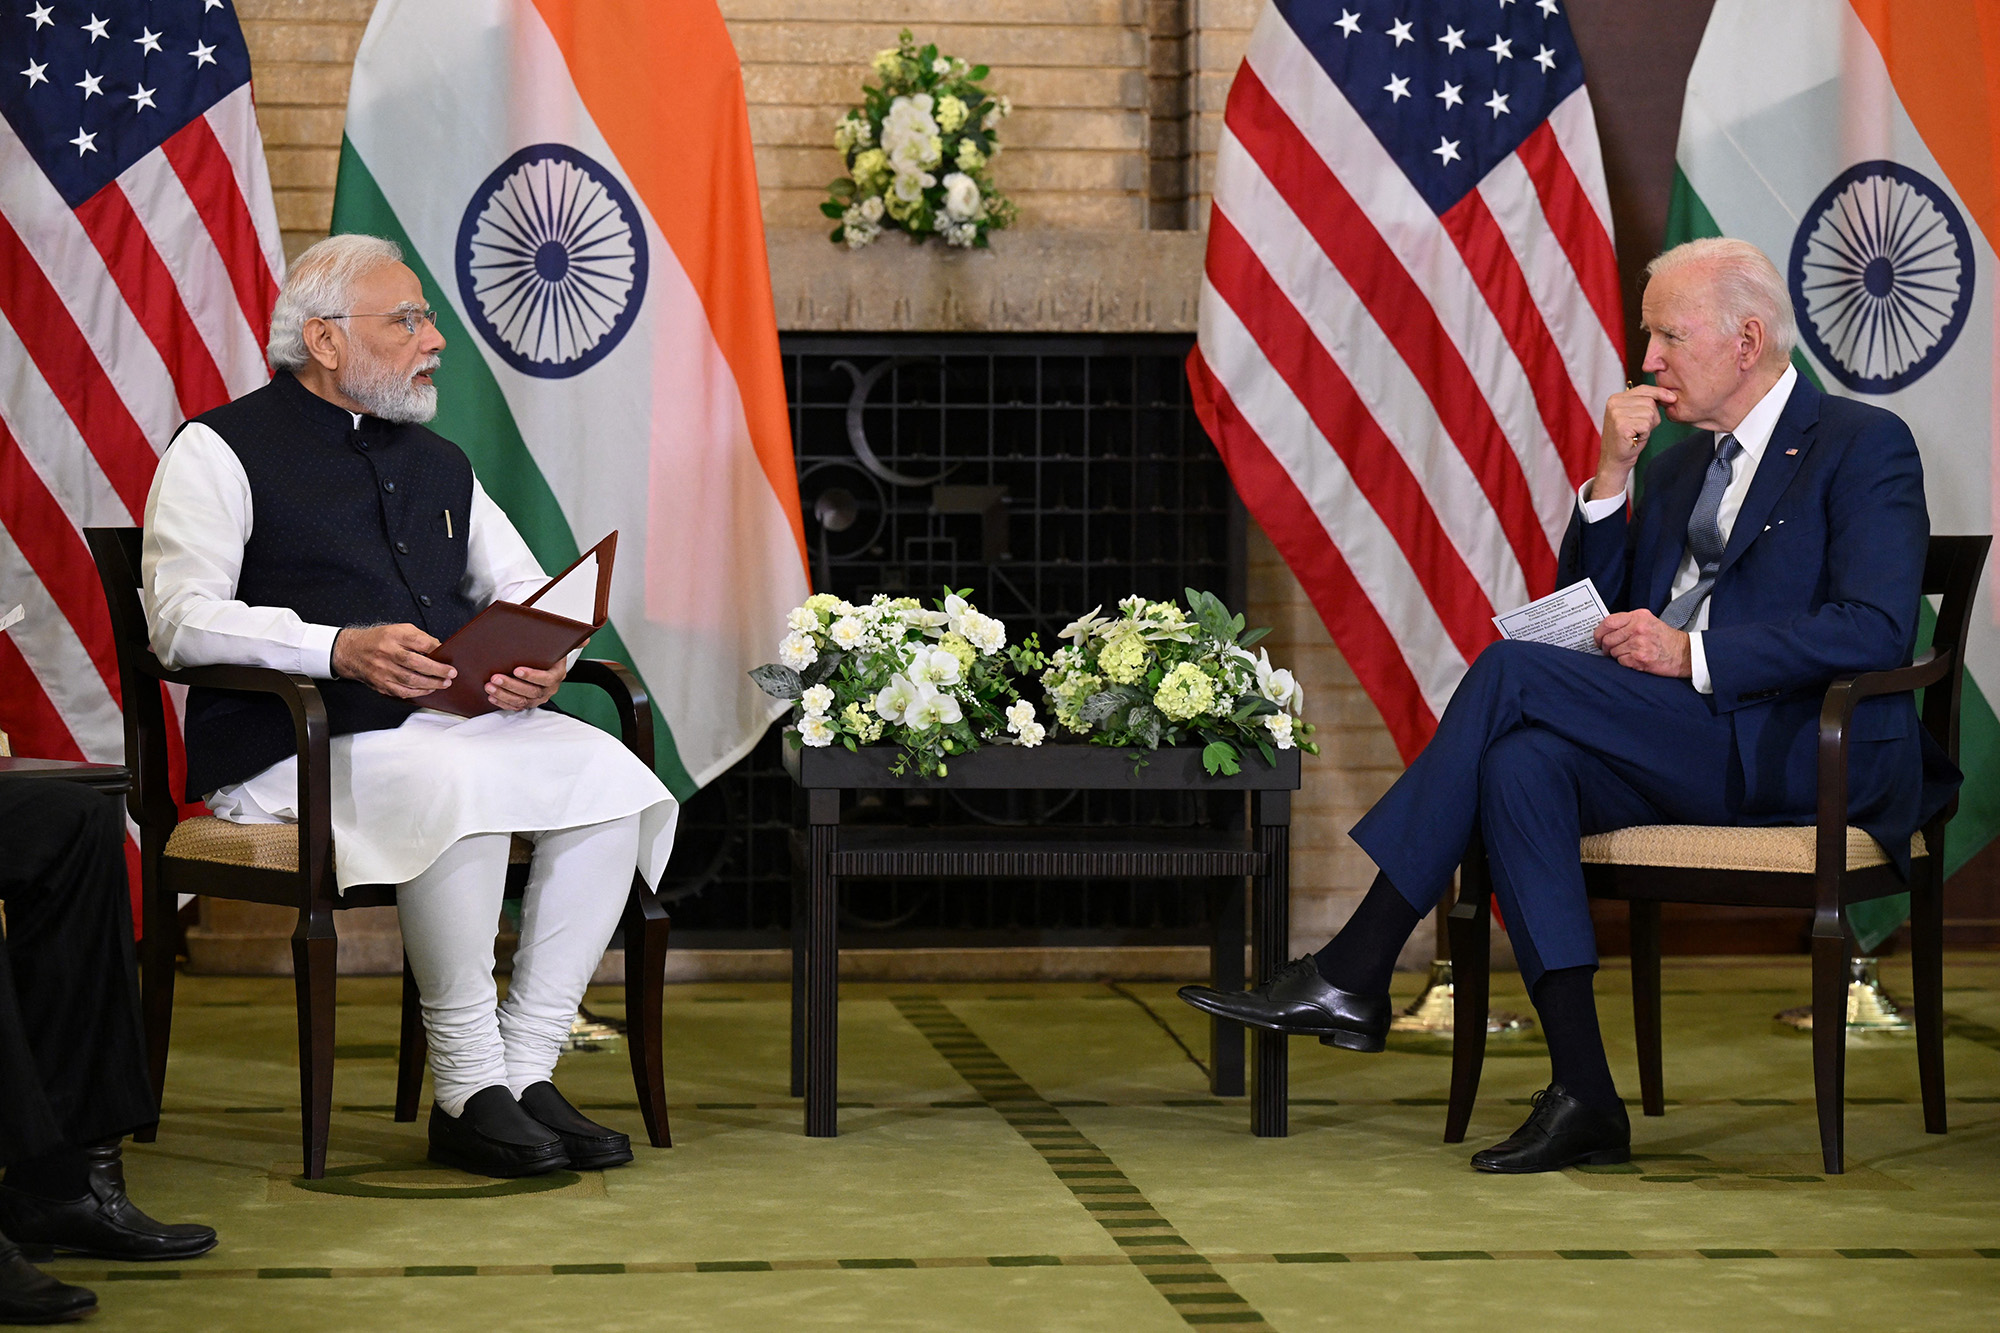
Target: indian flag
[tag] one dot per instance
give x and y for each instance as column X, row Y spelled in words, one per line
column 1855, row 144
column 572, row 180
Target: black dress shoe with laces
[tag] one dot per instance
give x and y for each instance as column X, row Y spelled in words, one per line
column 30, row 1296
column 102, row 1224
column 1299, row 1001
column 1561, row 1131
column 492, row 1136
column 590, row 1146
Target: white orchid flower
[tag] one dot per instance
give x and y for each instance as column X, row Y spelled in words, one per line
column 1278, row 685
column 1085, row 625
column 955, row 609
column 896, row 698
column 930, row 622
column 934, row 666
column 932, row 708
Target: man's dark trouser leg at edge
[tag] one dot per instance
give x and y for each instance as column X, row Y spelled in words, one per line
column 72, row 1053
column 1538, row 747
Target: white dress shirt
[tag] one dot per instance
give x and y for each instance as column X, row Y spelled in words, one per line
column 1753, row 433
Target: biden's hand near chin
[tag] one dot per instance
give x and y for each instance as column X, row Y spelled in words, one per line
column 528, row 687
column 389, row 659
column 1644, row 642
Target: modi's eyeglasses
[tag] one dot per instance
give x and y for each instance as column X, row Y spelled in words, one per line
column 411, row 320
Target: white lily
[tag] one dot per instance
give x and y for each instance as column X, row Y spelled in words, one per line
column 1085, row 625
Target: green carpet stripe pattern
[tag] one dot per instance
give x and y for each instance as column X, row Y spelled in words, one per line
column 1191, row 1276
column 1186, row 1280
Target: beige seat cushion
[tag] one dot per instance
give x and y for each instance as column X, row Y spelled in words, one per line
column 261, row 846
column 1702, row 847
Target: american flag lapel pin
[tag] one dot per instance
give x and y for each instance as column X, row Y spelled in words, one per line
column 1790, row 453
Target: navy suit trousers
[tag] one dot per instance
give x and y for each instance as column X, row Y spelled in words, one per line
column 1538, row 747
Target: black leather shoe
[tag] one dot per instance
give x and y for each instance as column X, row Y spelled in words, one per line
column 590, row 1145
column 103, row 1224
column 1561, row 1131
column 1299, row 1001
column 492, row 1136
column 30, row 1296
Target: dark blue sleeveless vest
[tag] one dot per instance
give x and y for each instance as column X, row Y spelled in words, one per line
column 348, row 528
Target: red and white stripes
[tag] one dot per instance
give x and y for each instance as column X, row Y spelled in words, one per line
column 1406, row 400
column 120, row 319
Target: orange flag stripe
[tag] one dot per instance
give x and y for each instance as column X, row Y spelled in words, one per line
column 1944, row 58
column 661, row 79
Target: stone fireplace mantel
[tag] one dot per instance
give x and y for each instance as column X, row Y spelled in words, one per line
column 1031, row 281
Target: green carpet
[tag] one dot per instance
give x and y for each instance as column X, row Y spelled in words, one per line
column 1046, row 1156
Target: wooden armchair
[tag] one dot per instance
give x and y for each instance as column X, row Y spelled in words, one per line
column 291, row 865
column 1819, row 868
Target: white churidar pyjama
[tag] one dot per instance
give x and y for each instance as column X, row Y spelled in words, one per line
column 578, row 882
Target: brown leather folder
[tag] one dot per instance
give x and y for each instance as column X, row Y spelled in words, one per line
column 508, row 634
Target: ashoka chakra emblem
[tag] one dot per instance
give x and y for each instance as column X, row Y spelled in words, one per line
column 551, row 261
column 1881, row 276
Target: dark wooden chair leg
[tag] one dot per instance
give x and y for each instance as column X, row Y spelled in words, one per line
column 1829, row 1002
column 1225, row 972
column 1646, row 1027
column 156, row 980
column 315, row 956
column 412, row 1049
column 1927, row 985
column 1471, row 991
column 646, row 929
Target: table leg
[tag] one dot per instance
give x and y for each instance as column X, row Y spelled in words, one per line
column 801, row 857
column 1225, row 973
column 822, row 975
column 1270, row 937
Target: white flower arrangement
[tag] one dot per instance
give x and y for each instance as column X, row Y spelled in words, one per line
column 917, row 152
column 1158, row 675
column 936, row 681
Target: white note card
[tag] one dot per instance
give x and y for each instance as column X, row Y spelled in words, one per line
column 1565, row 618
column 574, row 595
column 12, row 618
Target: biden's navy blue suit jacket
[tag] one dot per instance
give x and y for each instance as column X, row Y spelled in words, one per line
column 1821, row 578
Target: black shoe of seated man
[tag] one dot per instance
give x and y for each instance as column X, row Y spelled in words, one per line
column 492, row 1136
column 1299, row 1001
column 102, row 1224
column 590, row 1146
column 1561, row 1131
column 30, row 1296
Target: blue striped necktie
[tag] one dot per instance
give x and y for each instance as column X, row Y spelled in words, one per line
column 1705, row 534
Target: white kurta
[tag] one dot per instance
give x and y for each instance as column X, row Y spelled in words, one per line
column 401, row 796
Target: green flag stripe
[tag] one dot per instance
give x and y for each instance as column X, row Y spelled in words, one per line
column 473, row 412
column 1978, row 819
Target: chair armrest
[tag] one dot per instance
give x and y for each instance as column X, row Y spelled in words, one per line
column 628, row 696
column 302, row 699
column 1835, row 715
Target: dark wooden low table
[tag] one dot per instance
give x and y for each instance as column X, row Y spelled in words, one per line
column 1260, row 855
column 111, row 778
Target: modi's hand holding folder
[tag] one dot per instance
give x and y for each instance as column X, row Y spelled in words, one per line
column 540, row 632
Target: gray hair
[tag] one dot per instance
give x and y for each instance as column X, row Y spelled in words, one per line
column 321, row 282
column 1745, row 284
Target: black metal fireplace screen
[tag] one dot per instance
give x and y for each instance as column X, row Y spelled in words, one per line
column 1049, row 474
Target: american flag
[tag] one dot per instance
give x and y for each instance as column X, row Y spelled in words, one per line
column 1410, row 319
column 139, row 258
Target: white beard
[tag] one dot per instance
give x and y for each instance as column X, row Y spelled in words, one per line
column 385, row 392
